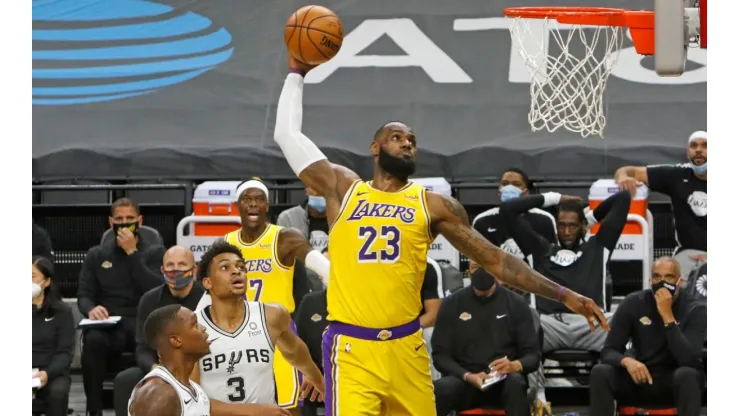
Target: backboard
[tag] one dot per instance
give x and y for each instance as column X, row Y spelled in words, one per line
column 679, row 25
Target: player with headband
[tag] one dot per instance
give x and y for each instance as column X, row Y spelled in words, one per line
column 270, row 254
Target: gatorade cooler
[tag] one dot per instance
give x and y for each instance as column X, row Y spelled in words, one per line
column 630, row 245
column 215, row 198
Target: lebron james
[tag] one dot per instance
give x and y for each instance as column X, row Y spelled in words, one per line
column 375, row 361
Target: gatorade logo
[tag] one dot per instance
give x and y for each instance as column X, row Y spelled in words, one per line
column 87, row 51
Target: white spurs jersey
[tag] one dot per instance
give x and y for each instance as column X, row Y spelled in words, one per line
column 193, row 400
column 239, row 367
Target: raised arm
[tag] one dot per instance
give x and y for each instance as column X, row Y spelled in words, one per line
column 155, row 398
column 307, row 161
column 450, row 219
column 293, row 348
column 528, row 240
column 292, row 245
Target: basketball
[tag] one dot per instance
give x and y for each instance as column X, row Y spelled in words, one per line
column 313, row 34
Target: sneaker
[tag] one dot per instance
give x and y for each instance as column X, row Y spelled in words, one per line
column 542, row 409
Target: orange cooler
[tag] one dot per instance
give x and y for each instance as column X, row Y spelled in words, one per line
column 604, row 188
column 215, row 198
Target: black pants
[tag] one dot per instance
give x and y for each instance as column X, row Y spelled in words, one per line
column 451, row 393
column 123, row 386
column 55, row 396
column 683, row 388
column 101, row 345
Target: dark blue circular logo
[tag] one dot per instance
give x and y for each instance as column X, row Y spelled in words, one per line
column 87, row 51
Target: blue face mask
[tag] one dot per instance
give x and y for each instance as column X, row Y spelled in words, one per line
column 699, row 170
column 317, row 202
column 510, row 192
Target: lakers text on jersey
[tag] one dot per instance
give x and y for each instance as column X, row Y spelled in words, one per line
column 378, row 247
column 269, row 280
column 193, row 399
column 239, row 367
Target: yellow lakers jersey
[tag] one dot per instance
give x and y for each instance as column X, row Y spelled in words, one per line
column 269, row 280
column 378, row 246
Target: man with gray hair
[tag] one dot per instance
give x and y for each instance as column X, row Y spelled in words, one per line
column 686, row 185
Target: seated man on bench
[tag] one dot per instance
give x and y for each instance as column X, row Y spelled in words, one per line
column 484, row 332
column 668, row 329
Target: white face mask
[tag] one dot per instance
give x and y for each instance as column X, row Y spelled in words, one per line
column 35, row 290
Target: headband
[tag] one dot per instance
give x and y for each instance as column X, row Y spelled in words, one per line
column 249, row 185
column 697, row 135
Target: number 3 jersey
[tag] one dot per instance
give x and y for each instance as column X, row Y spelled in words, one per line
column 378, row 247
column 239, row 367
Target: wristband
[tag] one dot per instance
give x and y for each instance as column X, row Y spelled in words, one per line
column 296, row 71
column 561, row 292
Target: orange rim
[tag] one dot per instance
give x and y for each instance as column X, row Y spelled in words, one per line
column 641, row 23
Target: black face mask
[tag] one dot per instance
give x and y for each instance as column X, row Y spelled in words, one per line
column 396, row 166
column 663, row 284
column 132, row 226
column 481, row 280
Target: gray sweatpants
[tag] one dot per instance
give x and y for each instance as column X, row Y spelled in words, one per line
column 571, row 331
column 567, row 331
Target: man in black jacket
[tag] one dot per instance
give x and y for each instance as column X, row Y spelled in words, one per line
column 668, row 330
column 112, row 280
column 181, row 288
column 484, row 330
column 575, row 263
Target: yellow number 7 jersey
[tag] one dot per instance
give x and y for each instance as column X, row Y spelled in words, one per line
column 378, row 247
column 269, row 281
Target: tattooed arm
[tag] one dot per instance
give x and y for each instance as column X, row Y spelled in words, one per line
column 450, row 219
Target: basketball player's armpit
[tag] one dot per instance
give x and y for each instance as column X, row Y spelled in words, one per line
column 155, row 398
column 328, row 179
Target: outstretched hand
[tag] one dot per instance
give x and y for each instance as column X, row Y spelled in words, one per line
column 588, row 308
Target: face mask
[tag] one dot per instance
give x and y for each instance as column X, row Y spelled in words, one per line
column 178, row 279
column 663, row 284
column 699, row 170
column 317, row 202
column 481, row 280
column 132, row 226
column 35, row 290
column 396, row 166
column 510, row 192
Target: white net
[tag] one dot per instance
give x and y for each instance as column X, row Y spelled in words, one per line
column 568, row 78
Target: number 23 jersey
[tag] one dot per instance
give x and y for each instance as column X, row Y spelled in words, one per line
column 239, row 366
column 378, row 247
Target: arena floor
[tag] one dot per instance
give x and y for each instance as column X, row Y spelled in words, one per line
column 77, row 402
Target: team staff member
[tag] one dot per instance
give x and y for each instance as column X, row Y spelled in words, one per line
column 514, row 184
column 668, row 330
column 686, row 185
column 481, row 329
column 112, row 280
column 181, row 288
column 574, row 263
column 53, row 339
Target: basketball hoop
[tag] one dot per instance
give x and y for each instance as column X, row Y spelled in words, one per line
column 567, row 83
